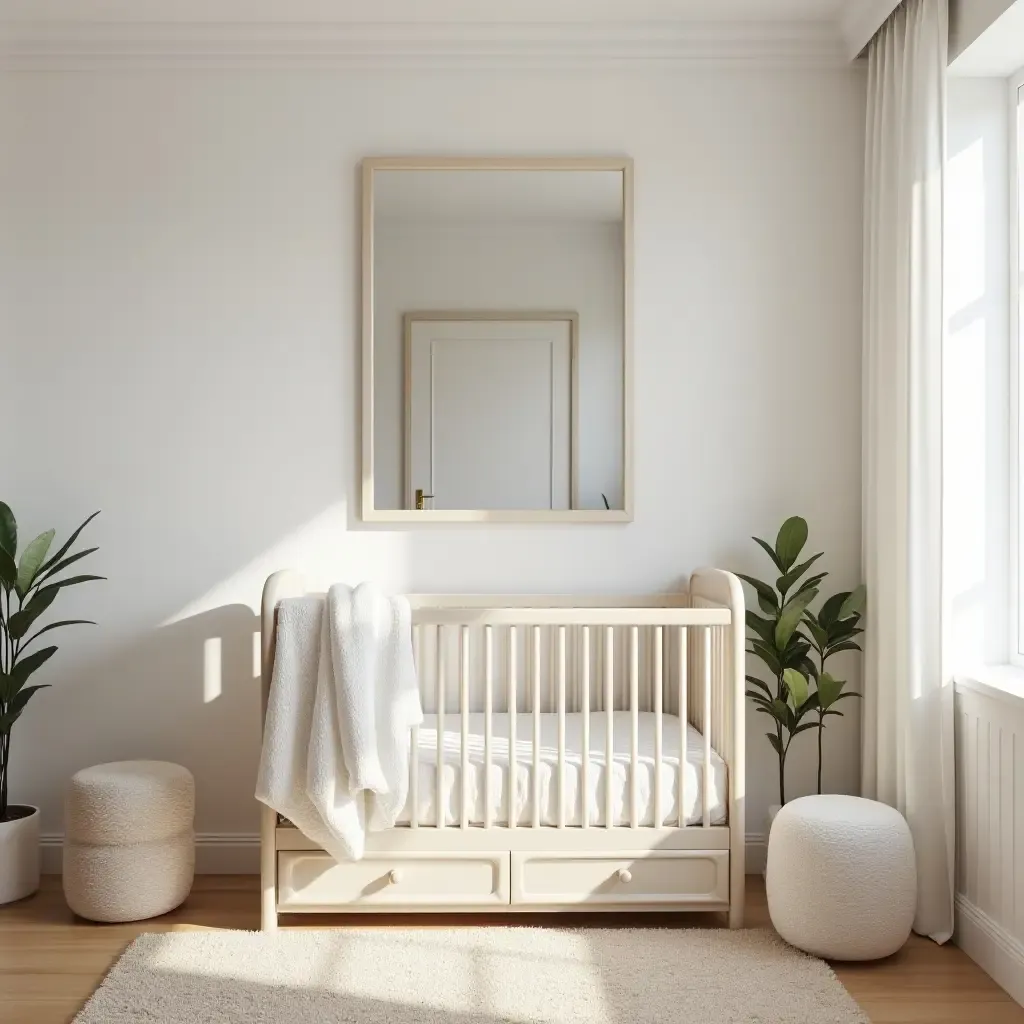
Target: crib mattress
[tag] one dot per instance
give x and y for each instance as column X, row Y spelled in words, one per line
column 693, row 771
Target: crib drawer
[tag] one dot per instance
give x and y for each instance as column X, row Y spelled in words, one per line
column 654, row 877
column 314, row 881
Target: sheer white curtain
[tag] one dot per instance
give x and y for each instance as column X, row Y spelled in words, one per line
column 908, row 698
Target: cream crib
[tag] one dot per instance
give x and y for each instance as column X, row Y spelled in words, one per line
column 591, row 753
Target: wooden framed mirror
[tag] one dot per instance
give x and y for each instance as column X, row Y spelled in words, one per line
column 497, row 340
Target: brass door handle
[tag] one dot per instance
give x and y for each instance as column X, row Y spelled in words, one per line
column 421, row 499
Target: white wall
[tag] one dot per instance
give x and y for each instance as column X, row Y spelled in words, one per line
column 572, row 266
column 179, row 297
column 977, row 371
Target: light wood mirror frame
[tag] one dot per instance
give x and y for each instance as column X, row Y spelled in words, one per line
column 372, row 514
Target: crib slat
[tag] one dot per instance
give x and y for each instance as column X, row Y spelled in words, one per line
column 441, row 673
column 634, row 728
column 585, row 701
column 561, row 726
column 706, row 725
column 414, row 760
column 464, row 721
column 609, row 712
column 535, row 701
column 488, row 723
column 659, row 817
column 513, row 764
column 683, row 700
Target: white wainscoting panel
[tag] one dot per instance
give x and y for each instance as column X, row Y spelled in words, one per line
column 990, row 831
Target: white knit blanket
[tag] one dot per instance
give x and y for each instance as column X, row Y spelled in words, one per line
column 343, row 701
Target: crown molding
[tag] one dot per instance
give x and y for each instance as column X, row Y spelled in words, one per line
column 861, row 20
column 87, row 46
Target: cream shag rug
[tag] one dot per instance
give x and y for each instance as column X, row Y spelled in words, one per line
column 470, row 976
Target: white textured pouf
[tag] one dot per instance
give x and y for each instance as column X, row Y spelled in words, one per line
column 841, row 877
column 129, row 844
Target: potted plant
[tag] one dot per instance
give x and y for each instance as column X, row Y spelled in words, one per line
column 798, row 694
column 28, row 586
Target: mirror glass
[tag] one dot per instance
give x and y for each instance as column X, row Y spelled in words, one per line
column 498, row 339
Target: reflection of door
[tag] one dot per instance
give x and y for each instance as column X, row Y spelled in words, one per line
column 489, row 411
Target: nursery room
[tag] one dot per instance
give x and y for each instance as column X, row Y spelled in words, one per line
column 511, row 512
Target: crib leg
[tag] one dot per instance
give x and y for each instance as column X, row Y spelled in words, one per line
column 268, row 920
column 268, row 870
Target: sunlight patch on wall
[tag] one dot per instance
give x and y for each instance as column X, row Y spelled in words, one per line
column 212, row 664
column 326, row 551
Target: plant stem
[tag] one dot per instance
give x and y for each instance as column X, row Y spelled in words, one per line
column 821, row 730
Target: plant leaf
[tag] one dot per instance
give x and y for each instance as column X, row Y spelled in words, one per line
column 829, row 612
column 847, row 645
column 19, row 675
column 63, row 564
column 57, row 625
column 811, row 581
column 758, row 698
column 773, row 739
column 31, row 560
column 844, row 630
column 8, row 570
column 766, row 596
column 820, row 635
column 788, row 580
column 764, row 628
column 790, row 542
column 771, row 552
column 829, row 689
column 760, row 683
column 767, row 654
column 797, row 685
column 67, row 545
column 21, row 621
column 854, row 604
column 789, row 618
column 805, row 726
column 24, row 696
column 8, row 531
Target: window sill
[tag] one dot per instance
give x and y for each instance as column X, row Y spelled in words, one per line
column 1002, row 682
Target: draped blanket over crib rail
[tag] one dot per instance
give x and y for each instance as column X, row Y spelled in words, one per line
column 574, row 753
column 339, row 716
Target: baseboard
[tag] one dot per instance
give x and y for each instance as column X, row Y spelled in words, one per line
column 238, row 853
column 217, row 853
column 991, row 947
column 757, row 853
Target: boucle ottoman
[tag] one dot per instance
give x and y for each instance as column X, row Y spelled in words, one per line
column 129, row 845
column 841, row 877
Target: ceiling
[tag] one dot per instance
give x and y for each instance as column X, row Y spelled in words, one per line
column 416, row 10
column 34, row 32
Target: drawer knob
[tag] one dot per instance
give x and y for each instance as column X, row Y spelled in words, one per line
column 394, row 876
column 625, row 876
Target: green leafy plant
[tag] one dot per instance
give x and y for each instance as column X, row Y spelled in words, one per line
column 832, row 631
column 784, row 636
column 32, row 582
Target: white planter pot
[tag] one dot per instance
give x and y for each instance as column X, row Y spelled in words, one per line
column 19, row 855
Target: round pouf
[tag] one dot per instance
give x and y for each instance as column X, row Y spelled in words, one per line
column 841, row 877
column 129, row 844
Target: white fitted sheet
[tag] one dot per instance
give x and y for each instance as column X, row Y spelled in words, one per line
column 693, row 771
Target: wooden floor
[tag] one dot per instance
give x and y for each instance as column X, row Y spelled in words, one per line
column 51, row 961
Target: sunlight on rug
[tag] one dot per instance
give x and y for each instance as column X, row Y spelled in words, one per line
column 470, row 976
